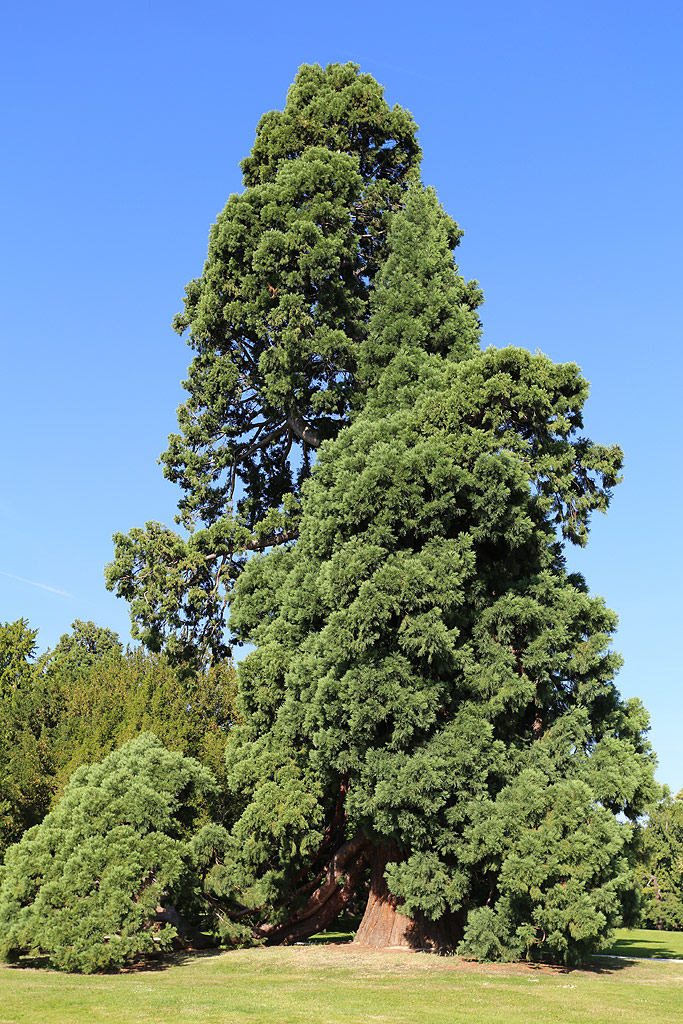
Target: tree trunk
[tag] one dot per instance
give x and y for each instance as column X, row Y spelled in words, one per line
column 384, row 926
column 329, row 899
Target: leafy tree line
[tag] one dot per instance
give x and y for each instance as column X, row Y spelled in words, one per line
column 382, row 509
column 660, row 865
column 84, row 699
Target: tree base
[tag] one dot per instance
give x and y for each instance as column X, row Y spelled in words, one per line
column 384, row 926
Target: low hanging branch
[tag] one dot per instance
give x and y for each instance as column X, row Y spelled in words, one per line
column 329, row 899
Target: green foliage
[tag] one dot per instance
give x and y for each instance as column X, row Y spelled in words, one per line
column 17, row 649
column 419, row 301
column 277, row 322
column 423, row 649
column 25, row 748
column 426, row 674
column 84, row 885
column 660, row 873
column 423, row 641
column 83, row 647
column 81, row 701
column 561, row 870
column 119, row 697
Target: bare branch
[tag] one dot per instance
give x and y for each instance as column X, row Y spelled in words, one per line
column 303, row 430
column 269, row 540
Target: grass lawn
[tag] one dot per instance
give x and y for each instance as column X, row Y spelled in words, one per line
column 639, row 942
column 628, row 941
column 344, row 984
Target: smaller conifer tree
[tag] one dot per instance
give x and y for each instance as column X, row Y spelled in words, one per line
column 90, row 884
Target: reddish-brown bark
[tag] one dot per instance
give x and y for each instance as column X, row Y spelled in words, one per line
column 343, row 874
column 384, row 925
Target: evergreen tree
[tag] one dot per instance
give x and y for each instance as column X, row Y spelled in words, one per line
column 420, row 302
column 278, row 321
column 85, row 645
column 119, row 696
column 431, row 694
column 90, row 884
column 25, row 749
column 78, row 703
column 660, row 872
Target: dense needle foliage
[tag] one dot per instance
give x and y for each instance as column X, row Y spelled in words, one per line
column 87, row 885
column 278, row 324
column 82, row 700
column 26, row 762
column 423, row 646
column 428, row 680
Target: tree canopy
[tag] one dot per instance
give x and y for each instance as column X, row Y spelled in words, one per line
column 278, row 323
column 82, row 700
column 660, row 871
column 84, row 646
column 433, row 680
column 26, row 764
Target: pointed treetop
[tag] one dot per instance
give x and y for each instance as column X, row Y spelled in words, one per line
column 420, row 300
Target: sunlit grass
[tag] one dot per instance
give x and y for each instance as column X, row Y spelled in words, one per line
column 639, row 942
column 342, row 985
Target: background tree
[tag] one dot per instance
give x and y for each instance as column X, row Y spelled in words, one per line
column 87, row 885
column 278, row 321
column 122, row 695
column 660, row 873
column 78, row 703
column 26, row 765
column 85, row 645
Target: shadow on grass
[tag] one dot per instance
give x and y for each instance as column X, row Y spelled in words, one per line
column 657, row 947
column 154, row 962
column 601, row 963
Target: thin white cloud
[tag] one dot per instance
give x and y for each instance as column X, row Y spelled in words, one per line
column 31, row 583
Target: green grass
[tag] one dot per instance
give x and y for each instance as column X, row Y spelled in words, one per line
column 639, row 942
column 344, row 985
column 343, row 930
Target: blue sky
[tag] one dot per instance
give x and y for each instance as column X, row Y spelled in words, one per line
column 552, row 133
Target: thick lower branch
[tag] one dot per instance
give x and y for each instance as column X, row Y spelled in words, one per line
column 329, row 899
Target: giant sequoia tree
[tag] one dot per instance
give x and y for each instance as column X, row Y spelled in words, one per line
column 431, row 694
column 430, row 702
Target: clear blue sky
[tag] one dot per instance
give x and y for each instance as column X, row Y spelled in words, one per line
column 552, row 133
